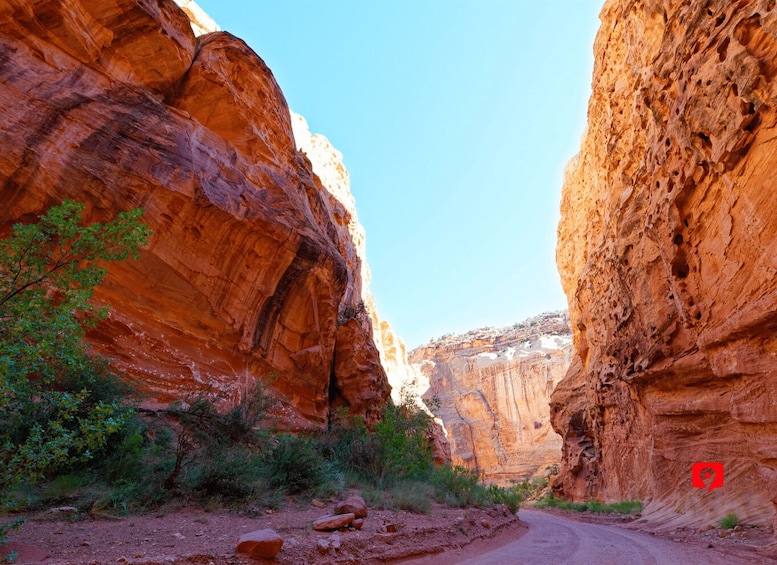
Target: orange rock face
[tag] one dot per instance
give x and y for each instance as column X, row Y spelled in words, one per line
column 493, row 388
column 666, row 250
column 116, row 104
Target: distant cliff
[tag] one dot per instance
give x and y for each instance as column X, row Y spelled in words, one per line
column 252, row 271
column 493, row 388
column 666, row 250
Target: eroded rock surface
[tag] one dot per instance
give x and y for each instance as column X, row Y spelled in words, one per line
column 667, row 248
column 493, row 388
column 116, row 104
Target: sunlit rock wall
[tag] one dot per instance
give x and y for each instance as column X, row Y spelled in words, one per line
column 250, row 272
column 666, row 250
column 493, row 388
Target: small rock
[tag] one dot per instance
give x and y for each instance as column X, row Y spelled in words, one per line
column 85, row 543
column 390, row 527
column 260, row 543
column 333, row 522
column 179, row 535
column 357, row 524
column 485, row 524
column 122, row 559
column 354, row 505
column 317, row 503
column 334, row 541
column 737, row 528
column 63, row 510
column 723, row 533
column 323, row 546
column 384, row 537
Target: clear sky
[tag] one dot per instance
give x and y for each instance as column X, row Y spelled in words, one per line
column 456, row 119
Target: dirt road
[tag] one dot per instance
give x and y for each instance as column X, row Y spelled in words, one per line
column 559, row 540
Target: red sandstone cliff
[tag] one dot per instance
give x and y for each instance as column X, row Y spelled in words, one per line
column 666, row 250
column 493, row 388
column 250, row 272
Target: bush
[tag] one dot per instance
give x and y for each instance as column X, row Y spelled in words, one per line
column 510, row 497
column 730, row 521
column 403, row 450
column 623, row 507
column 230, row 474
column 455, row 486
column 397, row 450
column 203, row 429
column 293, row 465
column 59, row 405
column 413, row 496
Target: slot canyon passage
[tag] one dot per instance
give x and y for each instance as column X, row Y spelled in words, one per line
column 257, row 267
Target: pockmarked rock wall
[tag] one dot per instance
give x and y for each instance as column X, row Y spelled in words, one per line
column 667, row 250
column 492, row 390
column 251, row 271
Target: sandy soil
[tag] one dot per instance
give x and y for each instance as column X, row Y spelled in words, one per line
column 187, row 536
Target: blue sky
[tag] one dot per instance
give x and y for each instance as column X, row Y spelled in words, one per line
column 456, row 119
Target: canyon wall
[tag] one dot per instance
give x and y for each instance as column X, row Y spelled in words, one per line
column 252, row 271
column 493, row 388
column 666, row 250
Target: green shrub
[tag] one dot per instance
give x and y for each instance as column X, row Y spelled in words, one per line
column 403, row 445
column 455, row 486
column 397, row 450
column 413, row 496
column 202, row 428
column 510, row 497
column 377, row 498
column 229, row 473
column 291, row 463
column 623, row 507
column 59, row 404
column 627, row 507
column 730, row 521
column 62, row 487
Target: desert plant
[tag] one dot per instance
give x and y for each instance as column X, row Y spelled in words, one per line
column 403, row 450
column 456, row 486
column 623, row 507
column 228, row 473
column 412, row 496
column 291, row 463
column 203, row 428
column 730, row 521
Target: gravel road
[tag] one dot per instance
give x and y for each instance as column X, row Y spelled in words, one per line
column 553, row 539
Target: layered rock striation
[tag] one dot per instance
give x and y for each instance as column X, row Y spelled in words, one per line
column 251, row 270
column 491, row 388
column 666, row 250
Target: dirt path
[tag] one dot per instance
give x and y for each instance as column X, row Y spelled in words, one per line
column 557, row 539
column 186, row 536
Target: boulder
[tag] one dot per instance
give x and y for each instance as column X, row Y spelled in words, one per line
column 353, row 504
column 261, row 543
column 334, row 522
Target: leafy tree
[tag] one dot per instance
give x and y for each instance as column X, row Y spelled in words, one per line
column 58, row 402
